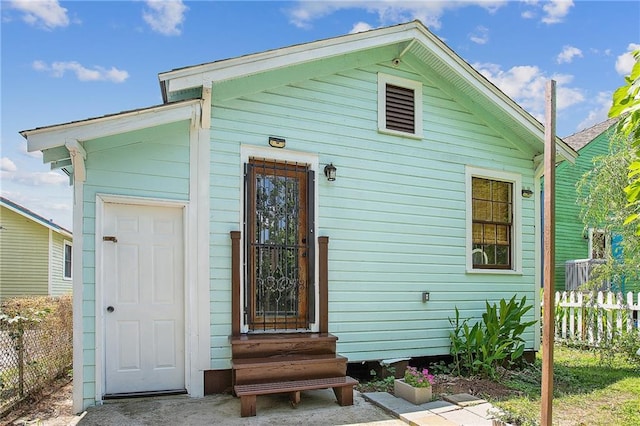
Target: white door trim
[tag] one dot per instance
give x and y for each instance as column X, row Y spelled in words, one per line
column 188, row 280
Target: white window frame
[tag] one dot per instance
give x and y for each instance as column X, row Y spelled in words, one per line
column 416, row 86
column 64, row 260
column 516, row 227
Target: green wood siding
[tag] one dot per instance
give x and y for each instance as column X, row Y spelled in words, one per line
column 570, row 241
column 24, row 256
column 153, row 162
column 395, row 215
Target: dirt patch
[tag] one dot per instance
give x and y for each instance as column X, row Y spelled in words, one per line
column 50, row 407
column 480, row 387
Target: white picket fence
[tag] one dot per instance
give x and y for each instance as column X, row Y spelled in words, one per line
column 591, row 318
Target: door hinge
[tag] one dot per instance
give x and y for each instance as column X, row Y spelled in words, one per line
column 110, row 238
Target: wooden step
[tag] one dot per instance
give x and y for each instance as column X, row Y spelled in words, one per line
column 268, row 344
column 342, row 388
column 287, row 367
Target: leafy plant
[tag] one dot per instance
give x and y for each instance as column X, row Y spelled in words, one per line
column 604, row 206
column 493, row 342
column 378, row 383
column 418, row 378
column 626, row 104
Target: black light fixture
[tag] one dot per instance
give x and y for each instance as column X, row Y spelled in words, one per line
column 330, row 172
column 527, row 193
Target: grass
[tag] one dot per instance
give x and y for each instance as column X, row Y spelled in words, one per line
column 586, row 391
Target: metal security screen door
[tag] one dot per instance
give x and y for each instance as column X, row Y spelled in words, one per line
column 279, row 246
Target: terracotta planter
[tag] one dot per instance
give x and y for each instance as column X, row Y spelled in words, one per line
column 415, row 396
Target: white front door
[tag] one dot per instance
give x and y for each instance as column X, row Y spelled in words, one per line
column 142, row 269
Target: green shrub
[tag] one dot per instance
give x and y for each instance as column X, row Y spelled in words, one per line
column 495, row 341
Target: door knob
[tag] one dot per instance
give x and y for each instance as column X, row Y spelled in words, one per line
column 110, row 309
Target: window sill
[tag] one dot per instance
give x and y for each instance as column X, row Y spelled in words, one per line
column 494, row 271
column 401, row 134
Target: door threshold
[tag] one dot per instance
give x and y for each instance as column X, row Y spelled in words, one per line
column 146, row 394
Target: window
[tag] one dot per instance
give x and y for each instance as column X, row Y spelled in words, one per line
column 399, row 106
column 597, row 244
column 493, row 219
column 67, row 261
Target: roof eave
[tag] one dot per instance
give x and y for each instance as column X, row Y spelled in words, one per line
column 56, row 135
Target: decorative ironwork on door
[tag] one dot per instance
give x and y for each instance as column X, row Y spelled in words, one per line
column 279, row 246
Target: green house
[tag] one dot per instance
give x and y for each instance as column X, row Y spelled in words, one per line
column 358, row 188
column 579, row 250
column 35, row 254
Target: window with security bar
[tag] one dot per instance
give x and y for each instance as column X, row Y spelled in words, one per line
column 279, row 246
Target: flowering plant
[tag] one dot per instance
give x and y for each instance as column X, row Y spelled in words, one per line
column 418, row 378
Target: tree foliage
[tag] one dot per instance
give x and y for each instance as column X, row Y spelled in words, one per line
column 626, row 104
column 605, row 207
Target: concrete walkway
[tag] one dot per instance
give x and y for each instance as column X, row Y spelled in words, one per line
column 316, row 408
column 455, row 410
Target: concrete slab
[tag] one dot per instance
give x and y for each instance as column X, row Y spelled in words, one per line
column 317, row 407
column 394, row 422
column 391, row 404
column 438, row 407
column 485, row 410
column 425, row 418
column 465, row 417
column 464, row 399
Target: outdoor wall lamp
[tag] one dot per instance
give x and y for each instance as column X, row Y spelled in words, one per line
column 277, row 142
column 330, row 172
column 527, row 193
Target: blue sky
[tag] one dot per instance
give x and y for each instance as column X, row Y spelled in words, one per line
column 65, row 61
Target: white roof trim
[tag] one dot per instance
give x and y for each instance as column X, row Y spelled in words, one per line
column 205, row 74
column 57, row 135
column 199, row 75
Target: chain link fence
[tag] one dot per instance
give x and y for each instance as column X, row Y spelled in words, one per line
column 36, row 346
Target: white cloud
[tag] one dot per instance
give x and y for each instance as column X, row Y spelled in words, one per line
column 360, row 27
column 46, row 14
column 388, row 11
column 567, row 54
column 528, row 14
column 556, row 10
column 599, row 113
column 165, row 16
column 526, row 85
column 41, row 178
column 480, row 35
column 58, row 69
column 553, row 11
column 6, row 165
column 625, row 62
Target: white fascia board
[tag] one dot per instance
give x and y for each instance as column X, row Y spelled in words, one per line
column 255, row 63
column 483, row 85
column 58, row 135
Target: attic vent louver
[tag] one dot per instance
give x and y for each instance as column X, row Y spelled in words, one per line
column 400, row 109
